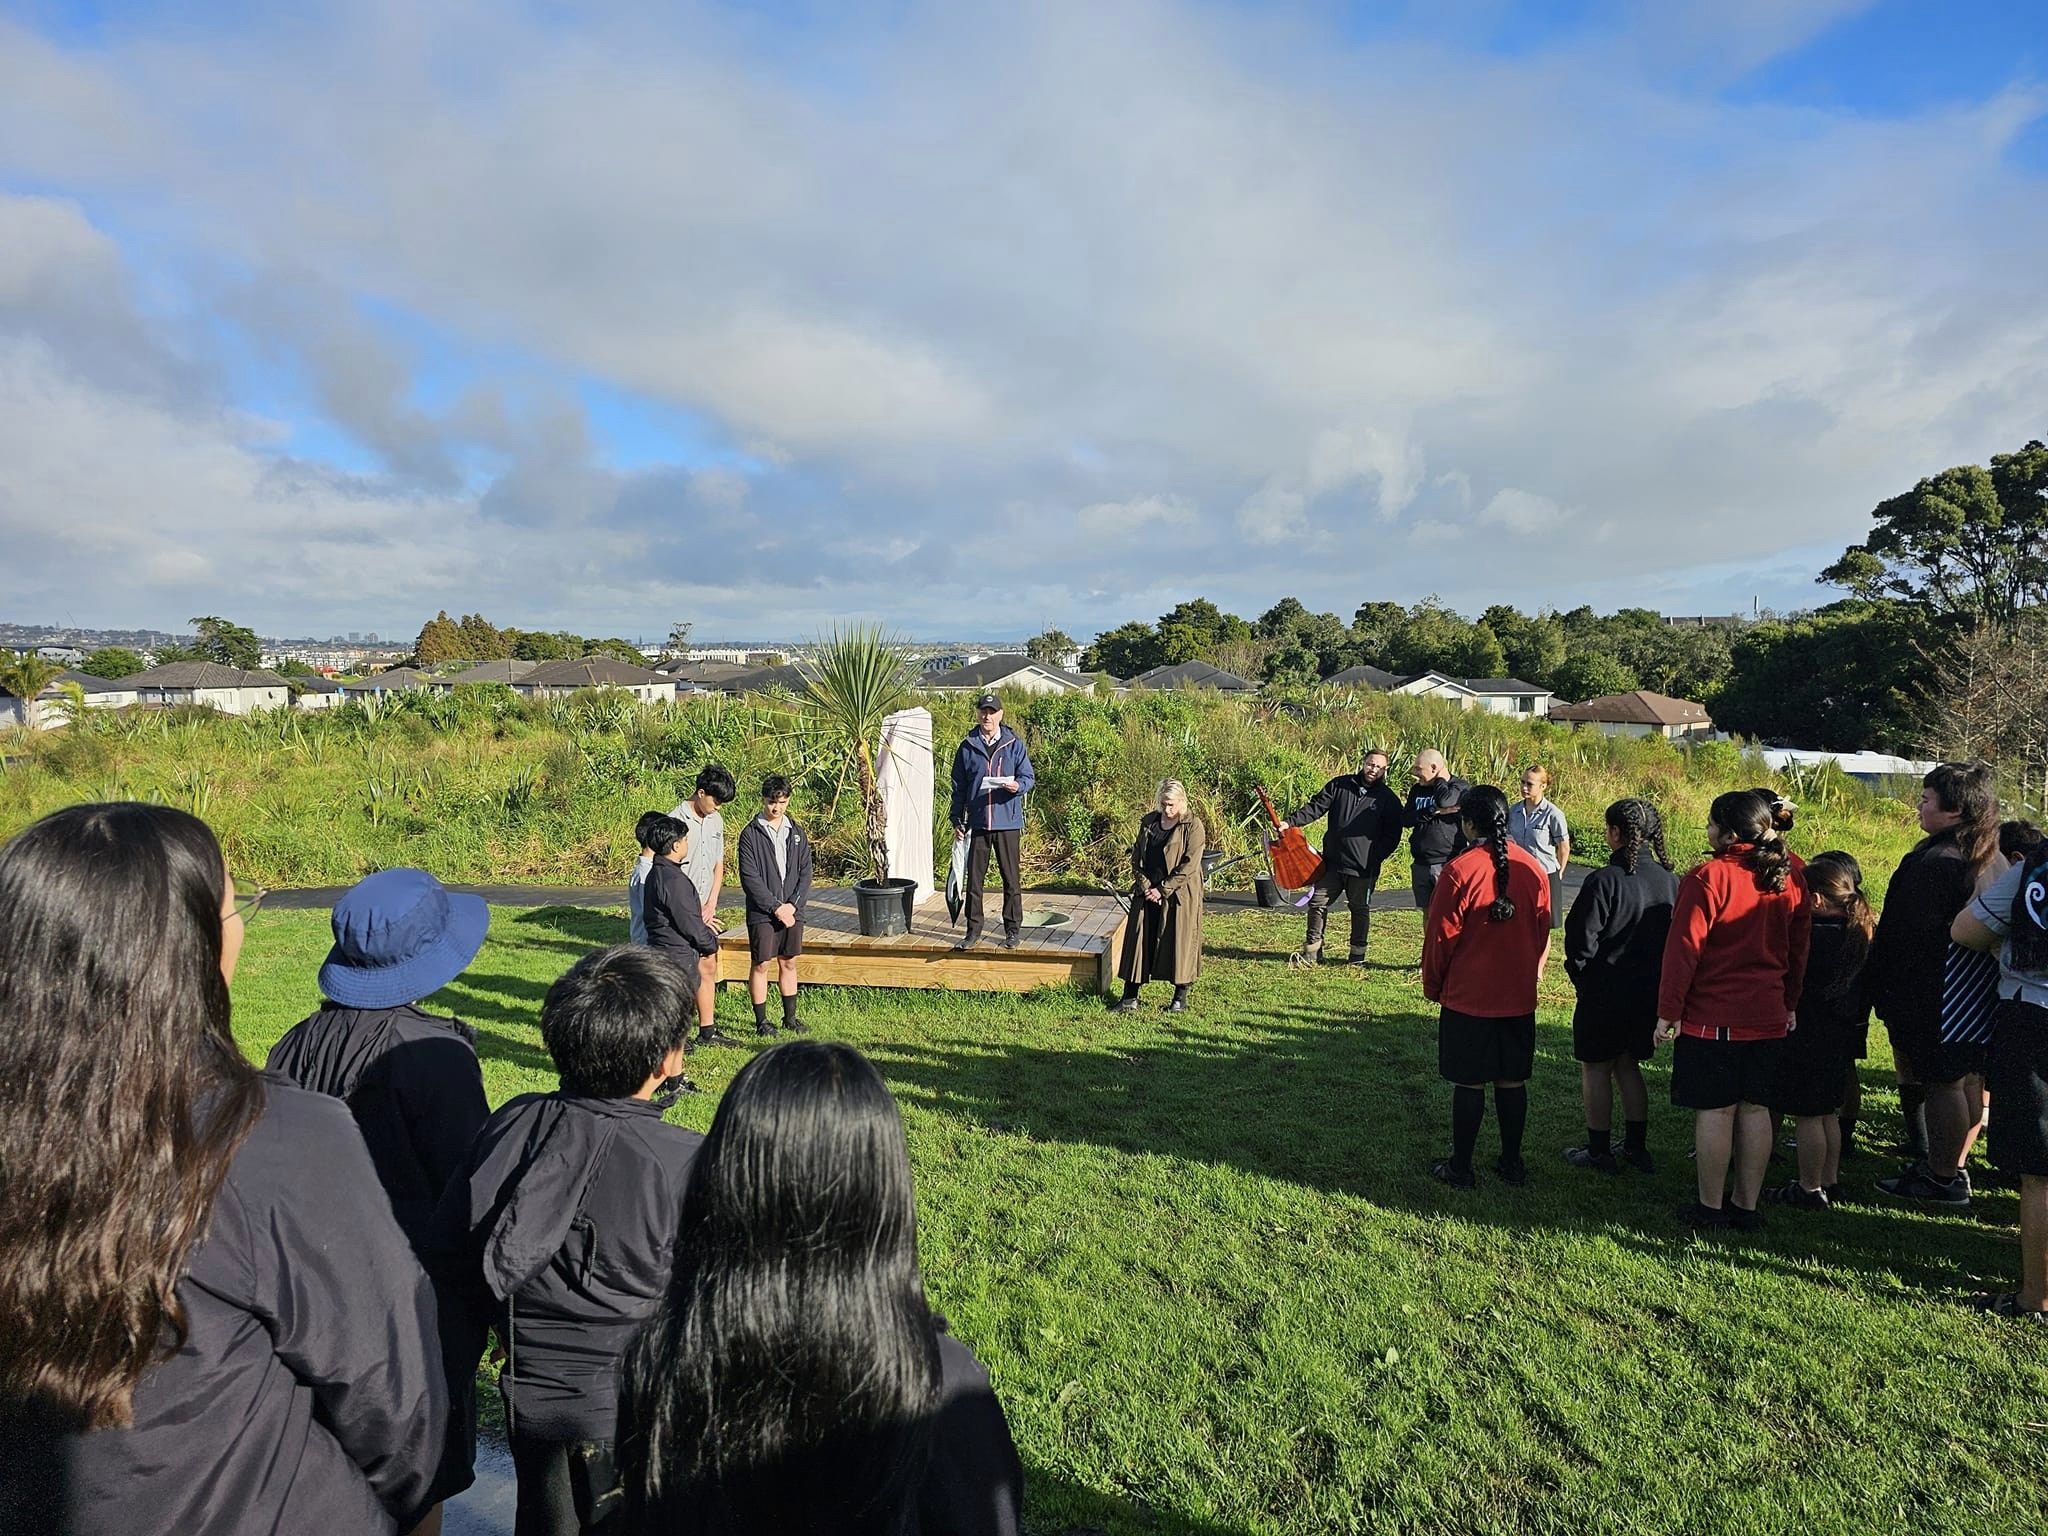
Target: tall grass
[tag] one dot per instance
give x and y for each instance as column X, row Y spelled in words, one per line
column 481, row 785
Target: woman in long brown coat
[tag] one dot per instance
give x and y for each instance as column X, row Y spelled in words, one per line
column 1163, row 939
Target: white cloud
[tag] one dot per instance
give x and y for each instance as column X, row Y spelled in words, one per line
column 1522, row 512
column 1125, row 519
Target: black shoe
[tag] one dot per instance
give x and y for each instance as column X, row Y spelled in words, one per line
column 1444, row 1173
column 673, row 1088
column 1744, row 1221
column 713, row 1036
column 1357, row 962
column 1797, row 1195
column 1702, row 1218
column 1639, row 1159
column 1124, row 1005
column 796, row 1026
column 1586, row 1157
column 1836, row 1193
column 1179, row 1003
column 1011, row 940
column 1917, row 1184
column 766, row 1030
column 1511, row 1170
column 968, row 940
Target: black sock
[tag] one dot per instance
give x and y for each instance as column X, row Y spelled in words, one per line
column 1635, row 1135
column 1599, row 1143
column 1468, row 1109
column 1913, row 1106
column 1512, row 1106
column 1848, row 1130
column 1130, row 990
column 788, row 1007
column 760, row 1014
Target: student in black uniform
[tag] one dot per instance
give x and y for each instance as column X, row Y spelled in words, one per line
column 1834, row 1013
column 674, row 914
column 775, row 873
column 1365, row 826
column 212, row 1322
column 409, row 1077
column 796, row 1378
column 560, row 1231
column 1614, row 953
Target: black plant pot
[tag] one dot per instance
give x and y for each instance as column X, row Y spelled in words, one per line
column 1269, row 891
column 884, row 906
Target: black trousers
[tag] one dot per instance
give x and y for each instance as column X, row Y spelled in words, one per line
column 1422, row 882
column 1007, row 846
column 547, row 1496
column 1357, row 893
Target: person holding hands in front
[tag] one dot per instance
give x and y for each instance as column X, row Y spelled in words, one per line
column 775, row 873
column 991, row 776
column 1164, row 936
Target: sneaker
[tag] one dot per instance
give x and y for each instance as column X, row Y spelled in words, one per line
column 1357, row 962
column 1304, row 960
column 1744, row 1221
column 1586, row 1157
column 1702, row 1218
column 1639, row 1159
column 796, row 1026
column 1011, row 940
column 766, row 1030
column 1444, row 1173
column 1917, row 1183
column 1511, row 1170
column 673, row 1088
column 713, row 1036
column 1793, row 1193
column 1837, row 1193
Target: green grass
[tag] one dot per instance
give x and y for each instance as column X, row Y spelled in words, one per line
column 1219, row 1293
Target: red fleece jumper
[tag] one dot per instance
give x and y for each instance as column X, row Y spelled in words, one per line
column 1471, row 964
column 1736, row 956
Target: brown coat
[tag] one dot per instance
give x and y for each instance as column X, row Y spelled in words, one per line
column 1163, row 941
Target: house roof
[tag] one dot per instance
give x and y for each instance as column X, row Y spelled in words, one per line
column 761, row 679
column 505, row 669
column 93, row 684
column 1500, row 685
column 315, row 684
column 395, row 680
column 992, row 671
column 1641, row 707
column 1193, row 674
column 201, row 674
column 702, row 673
column 591, row 672
column 1370, row 676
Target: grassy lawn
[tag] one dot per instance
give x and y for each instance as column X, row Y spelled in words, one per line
column 1219, row 1293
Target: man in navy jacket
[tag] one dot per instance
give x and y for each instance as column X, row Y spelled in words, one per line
column 991, row 776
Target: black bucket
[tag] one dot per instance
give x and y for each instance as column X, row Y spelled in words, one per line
column 884, row 906
column 1269, row 891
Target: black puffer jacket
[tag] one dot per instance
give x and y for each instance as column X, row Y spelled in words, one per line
column 1365, row 823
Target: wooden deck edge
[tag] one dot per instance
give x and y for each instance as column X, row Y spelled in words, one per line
column 994, row 971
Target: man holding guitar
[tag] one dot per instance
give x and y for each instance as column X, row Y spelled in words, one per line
column 1365, row 826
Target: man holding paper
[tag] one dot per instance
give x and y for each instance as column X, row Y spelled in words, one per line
column 991, row 775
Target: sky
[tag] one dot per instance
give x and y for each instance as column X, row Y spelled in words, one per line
column 978, row 319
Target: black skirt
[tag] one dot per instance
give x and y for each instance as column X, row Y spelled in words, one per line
column 1471, row 1049
column 1719, row 1074
column 1813, row 1070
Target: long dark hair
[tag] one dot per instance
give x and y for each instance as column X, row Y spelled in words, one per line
column 1750, row 818
column 1484, row 810
column 123, row 1099
column 1640, row 827
column 1836, row 879
column 1970, row 791
column 789, row 1381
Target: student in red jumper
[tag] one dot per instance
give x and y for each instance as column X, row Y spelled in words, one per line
column 1487, row 936
column 1733, row 966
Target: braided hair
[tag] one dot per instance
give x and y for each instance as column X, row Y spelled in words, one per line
column 1750, row 818
column 1484, row 810
column 1657, row 836
column 1640, row 827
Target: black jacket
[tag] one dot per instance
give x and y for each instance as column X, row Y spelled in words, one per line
column 1614, row 938
column 974, row 1485
column 1437, row 838
column 1831, row 1017
column 1909, row 956
column 308, row 1394
column 1365, row 823
column 766, row 887
column 412, row 1082
column 568, row 1208
column 674, row 913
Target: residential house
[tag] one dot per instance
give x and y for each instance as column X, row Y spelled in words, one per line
column 557, row 679
column 507, row 670
column 1495, row 695
column 48, row 708
column 691, row 676
column 230, row 690
column 1641, row 713
column 790, row 679
column 315, row 692
column 1193, row 674
column 1019, row 673
column 393, row 680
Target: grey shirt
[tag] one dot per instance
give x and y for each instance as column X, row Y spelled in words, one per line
column 778, row 839
column 1992, row 907
column 707, row 849
column 1539, row 831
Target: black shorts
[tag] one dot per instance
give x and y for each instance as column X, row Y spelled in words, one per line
column 1717, row 1074
column 1602, row 1034
column 2017, row 1079
column 1929, row 1059
column 1470, row 1049
column 1813, row 1073
column 770, row 941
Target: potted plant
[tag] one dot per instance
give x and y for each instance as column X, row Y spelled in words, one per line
column 856, row 680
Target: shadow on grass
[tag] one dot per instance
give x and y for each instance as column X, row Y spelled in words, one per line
column 588, row 927
column 1057, row 1506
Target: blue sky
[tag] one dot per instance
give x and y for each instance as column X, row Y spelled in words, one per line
column 980, row 318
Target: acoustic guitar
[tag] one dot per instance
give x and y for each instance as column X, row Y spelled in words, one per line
column 1294, row 862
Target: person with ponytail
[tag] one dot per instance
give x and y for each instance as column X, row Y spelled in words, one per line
column 1734, row 963
column 213, row 1321
column 1941, row 1084
column 795, row 1377
column 1834, row 1009
column 1484, row 943
column 1613, row 953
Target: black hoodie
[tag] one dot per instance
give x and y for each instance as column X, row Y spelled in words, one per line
column 1365, row 823
column 567, row 1210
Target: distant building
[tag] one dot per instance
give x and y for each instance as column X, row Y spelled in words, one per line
column 230, row 690
column 701, row 676
column 1704, row 621
column 790, row 679
column 1873, row 768
column 1641, row 713
column 394, row 680
column 1020, row 673
column 315, row 693
column 47, row 708
column 1193, row 674
column 1495, row 695
column 555, row 679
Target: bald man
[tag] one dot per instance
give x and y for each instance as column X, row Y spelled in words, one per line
column 1433, row 813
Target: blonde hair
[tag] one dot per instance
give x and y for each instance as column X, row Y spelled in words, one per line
column 1168, row 788
column 1540, row 771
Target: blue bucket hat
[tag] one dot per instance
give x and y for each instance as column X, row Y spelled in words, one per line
column 399, row 935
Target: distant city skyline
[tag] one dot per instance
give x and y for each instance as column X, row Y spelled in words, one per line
column 968, row 316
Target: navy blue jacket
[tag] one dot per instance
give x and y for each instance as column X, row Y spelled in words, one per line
column 993, row 810
column 674, row 914
column 766, row 887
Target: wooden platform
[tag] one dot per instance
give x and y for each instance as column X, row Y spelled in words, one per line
column 1082, row 950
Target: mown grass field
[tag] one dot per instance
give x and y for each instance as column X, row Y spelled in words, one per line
column 1219, row 1293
